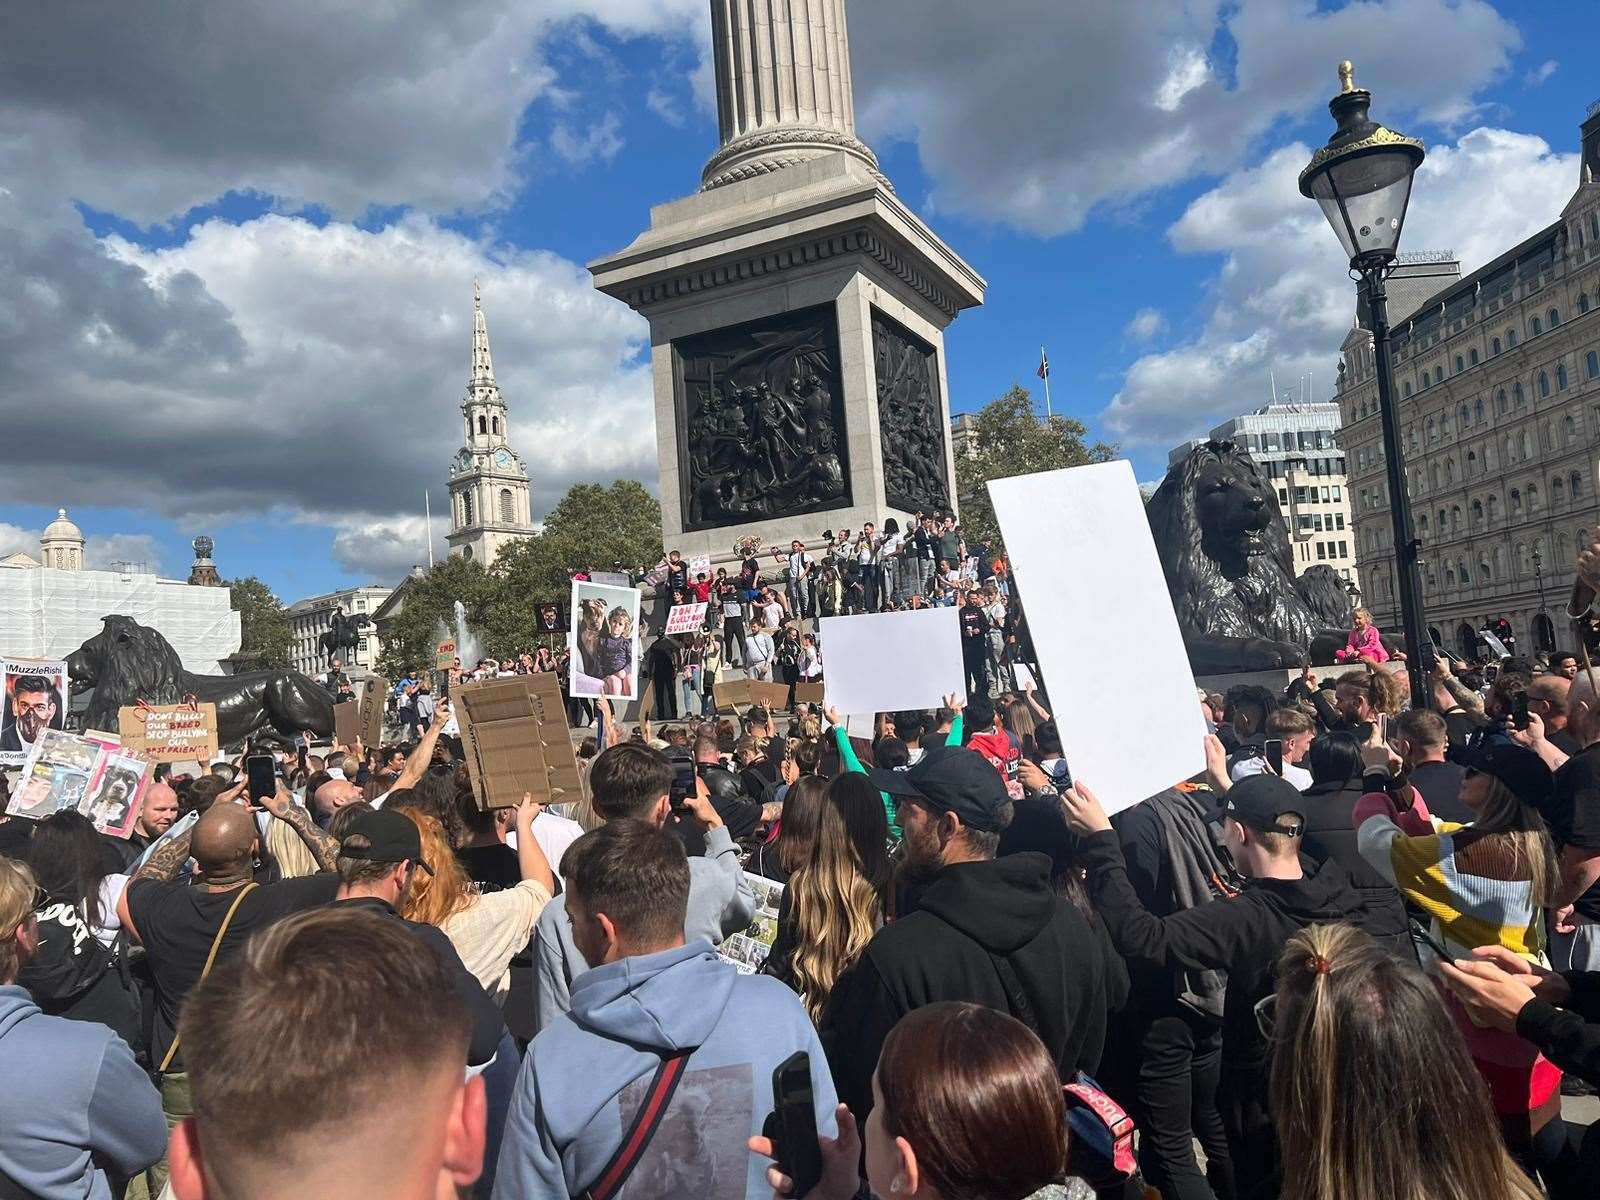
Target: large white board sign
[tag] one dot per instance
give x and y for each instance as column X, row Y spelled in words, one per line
column 1108, row 644
column 885, row 662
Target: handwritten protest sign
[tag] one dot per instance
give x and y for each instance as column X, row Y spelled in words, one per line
column 700, row 565
column 445, row 655
column 686, row 618
column 170, row 732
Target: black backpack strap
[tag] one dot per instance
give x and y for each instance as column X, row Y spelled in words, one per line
column 642, row 1131
column 1016, row 999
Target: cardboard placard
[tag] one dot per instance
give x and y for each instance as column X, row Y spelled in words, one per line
column 346, row 723
column 444, row 656
column 732, row 695
column 686, row 618
column 374, row 699
column 170, row 732
column 808, row 693
column 772, row 696
column 515, row 735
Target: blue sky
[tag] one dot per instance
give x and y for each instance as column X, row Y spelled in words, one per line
column 241, row 293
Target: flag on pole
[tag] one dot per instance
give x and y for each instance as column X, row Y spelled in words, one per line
column 1044, row 365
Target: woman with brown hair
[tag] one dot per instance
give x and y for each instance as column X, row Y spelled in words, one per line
column 781, row 857
column 1374, row 1095
column 486, row 930
column 967, row 1105
column 834, row 902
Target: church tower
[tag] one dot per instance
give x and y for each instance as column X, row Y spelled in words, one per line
column 490, row 503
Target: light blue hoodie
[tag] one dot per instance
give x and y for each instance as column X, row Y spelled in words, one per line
column 71, row 1094
column 587, row 1074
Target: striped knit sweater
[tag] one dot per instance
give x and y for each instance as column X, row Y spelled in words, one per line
column 1469, row 885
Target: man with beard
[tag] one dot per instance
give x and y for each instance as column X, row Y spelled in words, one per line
column 35, row 705
column 980, row 929
column 156, row 815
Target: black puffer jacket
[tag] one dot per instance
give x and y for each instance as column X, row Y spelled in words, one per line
column 1330, row 836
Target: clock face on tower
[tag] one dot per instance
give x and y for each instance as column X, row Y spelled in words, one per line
column 502, row 458
column 463, row 460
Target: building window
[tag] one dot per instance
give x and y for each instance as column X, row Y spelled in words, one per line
column 1472, row 356
column 1516, row 395
column 1494, row 346
column 1494, row 507
column 1464, row 415
column 483, row 425
column 466, row 552
column 1477, row 409
column 1591, row 363
column 1460, row 365
column 362, row 648
column 494, row 424
column 1500, row 402
column 1533, row 497
column 1438, row 374
column 1544, row 384
column 1405, row 393
column 1511, row 338
column 1556, row 489
column 1569, row 429
column 1477, row 514
column 1516, row 502
column 1561, row 377
column 1554, row 317
column 1583, row 302
column 1575, row 485
column 508, row 507
column 1538, row 327
column 466, row 509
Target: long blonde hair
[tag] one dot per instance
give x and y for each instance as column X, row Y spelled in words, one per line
column 1505, row 816
column 435, row 898
column 835, row 903
column 1374, row 1094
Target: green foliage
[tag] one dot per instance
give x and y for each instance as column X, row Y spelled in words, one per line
column 411, row 638
column 593, row 525
column 1012, row 439
column 263, row 623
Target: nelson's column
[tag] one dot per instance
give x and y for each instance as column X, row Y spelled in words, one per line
column 797, row 306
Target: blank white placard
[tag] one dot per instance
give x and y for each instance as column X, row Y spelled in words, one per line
column 1121, row 689
column 885, row 662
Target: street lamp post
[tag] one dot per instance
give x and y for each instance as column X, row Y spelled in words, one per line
column 1538, row 580
column 1362, row 179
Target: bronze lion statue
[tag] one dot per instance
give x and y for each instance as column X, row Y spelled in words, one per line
column 127, row 662
column 1225, row 550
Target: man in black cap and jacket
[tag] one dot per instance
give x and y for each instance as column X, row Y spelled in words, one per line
column 984, row 930
column 1263, row 822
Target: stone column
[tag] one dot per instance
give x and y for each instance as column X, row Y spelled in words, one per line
column 784, row 93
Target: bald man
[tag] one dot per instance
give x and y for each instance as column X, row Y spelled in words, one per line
column 156, row 815
column 334, row 795
column 178, row 922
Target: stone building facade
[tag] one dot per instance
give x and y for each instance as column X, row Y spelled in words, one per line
column 1498, row 386
column 1296, row 446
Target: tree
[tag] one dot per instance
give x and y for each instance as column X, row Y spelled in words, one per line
column 430, row 600
column 1012, row 439
column 263, row 624
column 592, row 526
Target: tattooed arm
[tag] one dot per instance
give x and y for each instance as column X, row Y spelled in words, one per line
column 323, row 846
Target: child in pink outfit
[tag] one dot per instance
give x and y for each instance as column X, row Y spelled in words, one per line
column 1364, row 642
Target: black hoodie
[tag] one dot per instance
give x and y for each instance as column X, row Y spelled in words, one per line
column 1066, row 968
column 1242, row 935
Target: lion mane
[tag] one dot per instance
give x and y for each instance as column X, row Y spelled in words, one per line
column 1263, row 601
column 127, row 662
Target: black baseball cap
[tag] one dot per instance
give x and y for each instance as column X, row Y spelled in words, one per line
column 1259, row 801
column 390, row 838
column 1520, row 769
column 956, row 781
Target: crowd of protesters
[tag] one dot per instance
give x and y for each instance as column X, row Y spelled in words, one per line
column 1358, row 957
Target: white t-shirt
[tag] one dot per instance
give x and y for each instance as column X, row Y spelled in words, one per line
column 773, row 613
column 891, row 545
column 1256, row 765
column 798, row 564
column 554, row 833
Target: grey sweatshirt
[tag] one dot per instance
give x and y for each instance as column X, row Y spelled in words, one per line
column 73, row 1094
column 720, row 904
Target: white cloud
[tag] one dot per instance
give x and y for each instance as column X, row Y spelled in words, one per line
column 386, row 547
column 600, row 142
column 1542, row 73
column 1281, row 300
column 665, row 105
column 1060, row 109
column 101, row 550
column 15, row 539
column 1189, row 70
column 1146, row 325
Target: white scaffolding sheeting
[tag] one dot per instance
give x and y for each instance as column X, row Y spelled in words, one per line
column 46, row 613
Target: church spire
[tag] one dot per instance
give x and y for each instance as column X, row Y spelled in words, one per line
column 482, row 364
